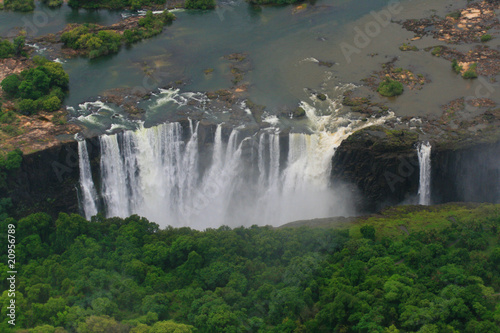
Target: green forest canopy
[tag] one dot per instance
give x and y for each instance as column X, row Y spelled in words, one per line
column 127, row 275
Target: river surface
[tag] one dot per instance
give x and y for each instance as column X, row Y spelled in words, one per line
column 283, row 45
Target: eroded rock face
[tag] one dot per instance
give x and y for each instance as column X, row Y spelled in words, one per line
column 383, row 166
column 471, row 174
column 46, row 181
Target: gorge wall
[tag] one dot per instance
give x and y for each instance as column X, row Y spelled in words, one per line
column 47, row 181
column 376, row 167
column 383, row 166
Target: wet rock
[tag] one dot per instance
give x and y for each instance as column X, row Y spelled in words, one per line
column 321, row 97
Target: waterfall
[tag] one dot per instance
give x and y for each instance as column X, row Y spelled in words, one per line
column 160, row 174
column 424, row 161
column 89, row 195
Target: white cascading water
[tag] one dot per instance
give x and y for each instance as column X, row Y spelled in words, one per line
column 424, row 161
column 89, row 194
column 157, row 174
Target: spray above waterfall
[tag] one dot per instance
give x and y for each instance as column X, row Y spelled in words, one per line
column 424, row 161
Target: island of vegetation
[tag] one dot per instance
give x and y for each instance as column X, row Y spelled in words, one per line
column 93, row 40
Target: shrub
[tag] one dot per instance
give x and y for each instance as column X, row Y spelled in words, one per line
column 20, row 5
column 51, row 104
column 70, row 38
column 389, row 88
column 406, row 47
column 7, row 117
column 27, row 107
column 12, row 161
column 11, row 85
column 39, row 60
column 455, row 66
column 485, row 38
column 200, row 4
column 436, row 51
column 455, row 15
column 6, row 48
column 56, row 74
column 19, row 45
column 131, row 36
column 35, row 83
column 58, row 92
column 471, row 72
column 53, row 3
column 368, row 232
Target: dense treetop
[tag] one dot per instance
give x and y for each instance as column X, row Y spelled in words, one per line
column 127, row 275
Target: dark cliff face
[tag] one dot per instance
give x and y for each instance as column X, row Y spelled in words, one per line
column 46, row 182
column 471, row 174
column 383, row 166
column 380, row 165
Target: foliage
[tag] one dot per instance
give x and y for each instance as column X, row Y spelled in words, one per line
column 368, row 232
column 436, row 51
column 389, row 88
column 6, row 48
column 455, row 66
column 455, row 15
column 53, row 3
column 128, row 275
column 18, row 45
column 27, row 106
column 116, row 4
column 8, row 164
column 35, row 83
column 95, row 43
column 485, row 38
column 38, row 88
column 20, row 5
column 273, row 2
column 200, row 4
column 471, row 72
column 51, row 104
column 10, row 85
column 407, row 47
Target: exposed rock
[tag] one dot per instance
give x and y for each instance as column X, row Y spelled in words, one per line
column 465, row 26
column 487, row 59
column 39, row 132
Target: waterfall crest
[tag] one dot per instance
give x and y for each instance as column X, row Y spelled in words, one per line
column 424, row 161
